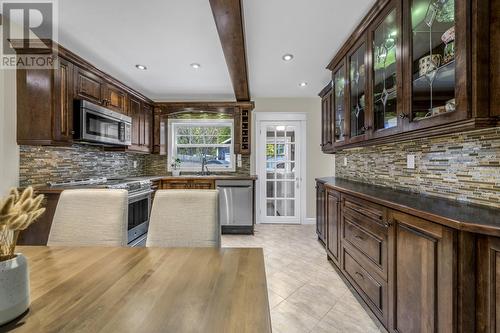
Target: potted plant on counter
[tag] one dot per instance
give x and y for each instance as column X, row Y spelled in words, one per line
column 176, row 166
column 17, row 212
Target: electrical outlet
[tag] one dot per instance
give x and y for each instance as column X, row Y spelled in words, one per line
column 240, row 162
column 410, row 161
column 345, row 161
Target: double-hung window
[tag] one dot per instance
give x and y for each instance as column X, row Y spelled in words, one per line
column 195, row 140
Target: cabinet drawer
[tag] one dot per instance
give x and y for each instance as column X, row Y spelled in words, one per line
column 365, row 208
column 370, row 288
column 367, row 240
column 367, row 243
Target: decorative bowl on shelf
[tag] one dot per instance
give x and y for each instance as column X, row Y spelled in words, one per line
column 429, row 63
column 449, row 35
column 449, row 52
column 438, row 110
column 450, row 105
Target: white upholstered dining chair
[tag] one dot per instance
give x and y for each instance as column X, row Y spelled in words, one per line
column 184, row 218
column 90, row 217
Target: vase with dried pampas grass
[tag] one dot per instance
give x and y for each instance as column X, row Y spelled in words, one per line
column 17, row 212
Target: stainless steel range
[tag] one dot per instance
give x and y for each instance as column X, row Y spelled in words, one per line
column 139, row 202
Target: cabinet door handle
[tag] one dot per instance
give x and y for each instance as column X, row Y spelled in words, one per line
column 359, row 237
column 360, row 275
column 403, row 116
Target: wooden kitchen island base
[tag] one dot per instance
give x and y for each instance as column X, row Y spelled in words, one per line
column 418, row 263
column 145, row 290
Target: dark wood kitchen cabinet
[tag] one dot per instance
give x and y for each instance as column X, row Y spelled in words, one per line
column 88, row 86
column 188, row 184
column 45, row 105
column 434, row 81
column 321, row 212
column 422, row 269
column 242, row 124
column 488, row 314
column 415, row 270
column 115, row 99
column 45, row 100
column 327, row 118
column 142, row 121
column 333, row 225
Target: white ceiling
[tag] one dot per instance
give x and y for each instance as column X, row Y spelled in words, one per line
column 168, row 35
column 165, row 35
column 312, row 30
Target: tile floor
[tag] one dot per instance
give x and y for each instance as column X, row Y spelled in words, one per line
column 305, row 293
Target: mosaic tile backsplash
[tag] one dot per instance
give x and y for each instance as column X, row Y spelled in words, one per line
column 464, row 166
column 41, row 164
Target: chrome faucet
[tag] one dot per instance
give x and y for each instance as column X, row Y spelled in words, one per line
column 204, row 168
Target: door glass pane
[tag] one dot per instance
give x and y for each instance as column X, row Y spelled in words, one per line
column 433, row 43
column 270, row 189
column 357, row 70
column 290, row 189
column 339, row 103
column 290, row 134
column 384, row 73
column 280, row 208
column 270, row 208
column 280, row 189
column 290, row 207
column 290, row 153
column 289, row 171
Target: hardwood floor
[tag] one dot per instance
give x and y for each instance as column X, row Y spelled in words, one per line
column 305, row 293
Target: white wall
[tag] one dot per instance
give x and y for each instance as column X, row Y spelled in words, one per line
column 318, row 164
column 9, row 150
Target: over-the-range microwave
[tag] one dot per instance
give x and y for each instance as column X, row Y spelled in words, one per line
column 96, row 124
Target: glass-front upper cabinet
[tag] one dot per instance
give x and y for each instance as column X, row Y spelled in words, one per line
column 339, row 103
column 357, row 92
column 385, row 68
column 433, row 62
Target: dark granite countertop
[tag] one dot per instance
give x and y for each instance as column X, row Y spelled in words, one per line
column 452, row 213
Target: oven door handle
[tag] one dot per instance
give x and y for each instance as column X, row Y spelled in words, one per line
column 138, row 196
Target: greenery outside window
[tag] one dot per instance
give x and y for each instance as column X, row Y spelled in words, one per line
column 192, row 140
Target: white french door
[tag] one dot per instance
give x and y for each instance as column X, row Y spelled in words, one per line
column 279, row 162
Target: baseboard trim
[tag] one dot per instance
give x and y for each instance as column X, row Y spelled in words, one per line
column 310, row 220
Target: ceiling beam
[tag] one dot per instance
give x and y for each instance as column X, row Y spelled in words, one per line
column 228, row 17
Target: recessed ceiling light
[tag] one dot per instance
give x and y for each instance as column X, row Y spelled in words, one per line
column 195, row 65
column 287, row 57
column 141, row 67
column 302, row 84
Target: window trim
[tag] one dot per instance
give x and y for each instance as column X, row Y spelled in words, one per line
column 203, row 122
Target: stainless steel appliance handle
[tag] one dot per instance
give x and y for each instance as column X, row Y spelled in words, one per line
column 140, row 195
column 234, row 186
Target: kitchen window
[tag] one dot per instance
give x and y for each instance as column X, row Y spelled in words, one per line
column 194, row 140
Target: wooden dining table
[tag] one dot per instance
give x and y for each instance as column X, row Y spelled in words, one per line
column 99, row 289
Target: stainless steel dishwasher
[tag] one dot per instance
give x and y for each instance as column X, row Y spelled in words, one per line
column 236, row 206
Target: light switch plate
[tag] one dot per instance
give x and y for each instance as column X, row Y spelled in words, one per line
column 240, row 163
column 410, row 161
column 345, row 161
column 135, row 164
